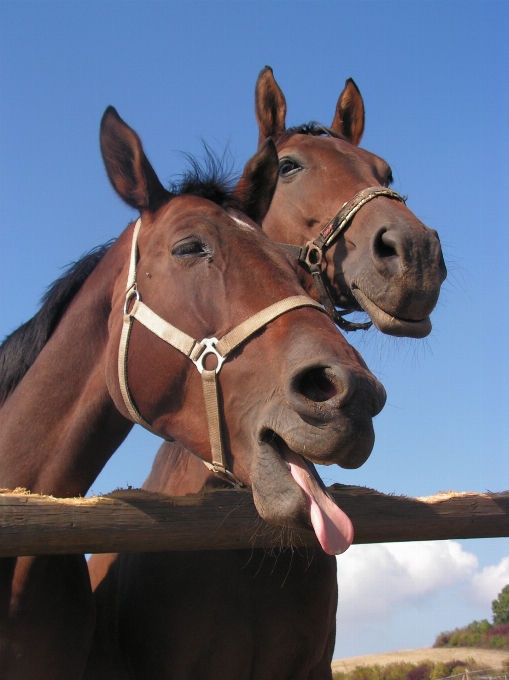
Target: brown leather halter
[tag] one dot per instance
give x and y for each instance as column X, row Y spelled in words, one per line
column 311, row 255
column 196, row 351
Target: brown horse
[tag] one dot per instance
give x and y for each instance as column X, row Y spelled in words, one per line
column 382, row 259
column 387, row 263
column 102, row 354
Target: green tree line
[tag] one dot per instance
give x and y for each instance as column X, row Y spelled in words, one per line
column 482, row 633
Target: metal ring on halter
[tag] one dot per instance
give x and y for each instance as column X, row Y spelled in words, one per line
column 314, row 254
column 133, row 292
column 209, row 347
column 228, row 477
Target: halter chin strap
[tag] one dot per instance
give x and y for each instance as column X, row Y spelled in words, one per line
column 196, row 351
column 311, row 255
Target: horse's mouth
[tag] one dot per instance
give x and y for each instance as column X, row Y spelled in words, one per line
column 310, row 503
column 389, row 324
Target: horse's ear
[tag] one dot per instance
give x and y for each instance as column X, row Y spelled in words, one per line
column 270, row 106
column 129, row 170
column 258, row 182
column 349, row 116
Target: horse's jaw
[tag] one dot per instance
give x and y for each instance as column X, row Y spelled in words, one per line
column 287, row 491
column 392, row 325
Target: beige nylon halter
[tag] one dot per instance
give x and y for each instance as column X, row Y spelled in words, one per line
column 196, row 351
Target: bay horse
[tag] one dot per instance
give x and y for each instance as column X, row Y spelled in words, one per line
column 383, row 260
column 102, row 354
column 214, row 615
column 373, row 255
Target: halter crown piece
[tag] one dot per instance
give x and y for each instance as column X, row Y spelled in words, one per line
column 311, row 254
column 196, row 351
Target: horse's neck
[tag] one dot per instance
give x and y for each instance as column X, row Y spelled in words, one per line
column 60, row 426
column 176, row 472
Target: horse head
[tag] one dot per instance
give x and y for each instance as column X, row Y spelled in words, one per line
column 291, row 390
column 385, row 261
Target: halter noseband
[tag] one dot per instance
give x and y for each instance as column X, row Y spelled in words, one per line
column 311, row 255
column 196, row 351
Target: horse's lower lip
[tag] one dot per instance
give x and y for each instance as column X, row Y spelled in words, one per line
column 390, row 324
column 279, row 444
column 281, row 447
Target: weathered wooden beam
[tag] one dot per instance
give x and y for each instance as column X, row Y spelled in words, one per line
column 135, row 521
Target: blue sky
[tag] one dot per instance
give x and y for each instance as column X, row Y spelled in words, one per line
column 434, row 77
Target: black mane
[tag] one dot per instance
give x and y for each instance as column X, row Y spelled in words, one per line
column 21, row 348
column 313, row 128
column 212, row 178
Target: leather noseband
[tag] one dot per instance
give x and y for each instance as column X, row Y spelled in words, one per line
column 311, row 255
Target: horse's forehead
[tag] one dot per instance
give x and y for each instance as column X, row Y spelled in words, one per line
column 185, row 211
column 334, row 149
column 187, row 204
column 242, row 222
column 312, row 144
column 187, row 214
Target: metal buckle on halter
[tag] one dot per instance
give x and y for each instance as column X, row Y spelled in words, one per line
column 228, row 477
column 208, row 346
column 133, row 292
column 313, row 254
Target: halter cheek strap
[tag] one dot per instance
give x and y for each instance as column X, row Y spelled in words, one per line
column 195, row 351
column 311, row 255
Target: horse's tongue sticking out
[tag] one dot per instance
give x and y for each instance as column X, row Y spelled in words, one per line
column 332, row 526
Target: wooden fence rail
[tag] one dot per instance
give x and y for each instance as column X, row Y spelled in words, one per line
column 136, row 521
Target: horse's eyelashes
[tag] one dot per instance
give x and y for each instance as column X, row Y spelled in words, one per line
column 191, row 248
column 287, row 168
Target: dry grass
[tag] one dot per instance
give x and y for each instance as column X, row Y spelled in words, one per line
column 484, row 657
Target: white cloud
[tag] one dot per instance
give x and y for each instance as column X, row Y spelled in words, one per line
column 373, row 579
column 487, row 584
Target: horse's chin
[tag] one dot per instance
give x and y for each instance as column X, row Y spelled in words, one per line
column 392, row 325
column 288, row 492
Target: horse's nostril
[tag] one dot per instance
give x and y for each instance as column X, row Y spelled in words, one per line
column 384, row 245
column 316, row 386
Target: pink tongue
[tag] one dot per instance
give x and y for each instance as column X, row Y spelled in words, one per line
column 332, row 527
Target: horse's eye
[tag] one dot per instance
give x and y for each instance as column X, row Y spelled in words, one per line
column 389, row 179
column 191, row 248
column 287, row 168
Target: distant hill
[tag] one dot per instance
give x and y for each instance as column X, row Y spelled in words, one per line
column 479, row 646
column 439, row 662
